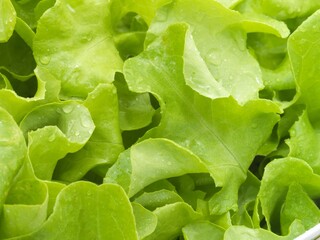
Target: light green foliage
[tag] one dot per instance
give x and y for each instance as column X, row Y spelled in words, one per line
column 159, row 119
column 303, row 51
column 81, row 28
column 86, row 211
column 202, row 230
column 7, row 20
column 13, row 152
column 278, row 177
column 203, row 125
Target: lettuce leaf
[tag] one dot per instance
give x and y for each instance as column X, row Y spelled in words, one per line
column 89, row 35
column 203, row 125
column 162, row 119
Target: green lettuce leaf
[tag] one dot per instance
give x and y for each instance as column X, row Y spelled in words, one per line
column 83, row 29
column 25, row 11
column 298, row 205
column 281, row 9
column 303, row 52
column 7, row 20
column 211, row 67
column 203, row 125
column 26, row 206
column 169, row 227
column 160, row 198
column 105, row 143
column 13, row 153
column 247, row 196
column 277, row 178
column 150, row 161
column 135, row 109
column 59, row 126
column 78, row 214
column 146, row 221
column 202, row 230
column 304, row 141
column 159, row 119
column 25, row 32
column 242, row 232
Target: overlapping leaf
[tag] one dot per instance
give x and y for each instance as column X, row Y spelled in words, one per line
column 206, row 127
column 82, row 29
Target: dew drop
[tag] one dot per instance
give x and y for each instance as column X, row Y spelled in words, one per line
column 77, row 133
column 214, row 59
column 85, row 122
column 67, row 108
column 45, row 60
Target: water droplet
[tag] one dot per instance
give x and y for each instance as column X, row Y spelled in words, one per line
column 214, row 59
column 77, row 133
column 45, row 60
column 85, row 122
column 67, row 108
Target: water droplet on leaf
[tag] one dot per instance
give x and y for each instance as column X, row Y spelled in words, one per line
column 67, row 108
column 85, row 122
column 45, row 60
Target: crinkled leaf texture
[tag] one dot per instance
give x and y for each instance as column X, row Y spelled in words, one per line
column 105, row 143
column 278, row 177
column 159, row 119
column 74, row 43
column 53, row 130
column 225, row 135
column 212, row 67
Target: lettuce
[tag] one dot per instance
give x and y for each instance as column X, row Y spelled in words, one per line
column 163, row 119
